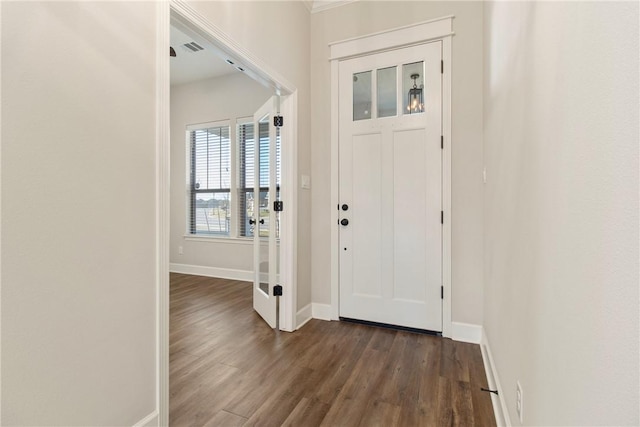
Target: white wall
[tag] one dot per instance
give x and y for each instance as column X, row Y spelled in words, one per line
column 223, row 98
column 561, row 208
column 361, row 18
column 78, row 213
column 277, row 32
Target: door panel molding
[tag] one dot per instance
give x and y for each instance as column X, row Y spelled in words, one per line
column 437, row 29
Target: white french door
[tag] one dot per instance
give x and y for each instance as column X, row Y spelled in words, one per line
column 390, row 187
column 265, row 220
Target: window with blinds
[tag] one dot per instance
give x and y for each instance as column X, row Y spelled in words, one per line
column 210, row 181
column 211, row 187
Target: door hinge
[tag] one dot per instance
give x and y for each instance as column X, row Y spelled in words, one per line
column 441, row 292
column 278, row 206
column 441, row 67
column 278, row 121
column 442, row 142
column 441, row 217
column 277, row 291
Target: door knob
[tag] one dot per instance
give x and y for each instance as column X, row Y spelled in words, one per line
column 344, row 221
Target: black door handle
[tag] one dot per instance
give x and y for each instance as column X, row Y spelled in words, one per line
column 344, row 221
column 253, row 221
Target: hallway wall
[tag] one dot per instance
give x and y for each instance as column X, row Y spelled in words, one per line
column 561, row 208
column 78, row 213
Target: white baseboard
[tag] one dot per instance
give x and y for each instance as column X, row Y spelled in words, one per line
column 303, row 316
column 223, row 273
column 466, row 332
column 321, row 311
column 500, row 409
column 150, row 420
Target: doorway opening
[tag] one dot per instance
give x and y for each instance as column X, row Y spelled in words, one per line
column 218, row 150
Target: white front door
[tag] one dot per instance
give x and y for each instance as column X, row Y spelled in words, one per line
column 390, row 188
column 265, row 221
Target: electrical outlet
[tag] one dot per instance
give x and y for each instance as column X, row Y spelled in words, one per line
column 519, row 400
column 180, row 250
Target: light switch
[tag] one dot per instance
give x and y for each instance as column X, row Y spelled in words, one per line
column 305, row 181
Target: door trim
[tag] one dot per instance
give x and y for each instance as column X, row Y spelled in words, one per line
column 396, row 38
column 180, row 13
column 437, row 29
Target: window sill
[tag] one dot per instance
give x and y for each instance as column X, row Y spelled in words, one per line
column 216, row 239
column 225, row 240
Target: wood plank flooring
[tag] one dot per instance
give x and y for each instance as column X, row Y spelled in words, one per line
column 228, row 368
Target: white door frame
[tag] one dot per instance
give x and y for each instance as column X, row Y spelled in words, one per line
column 180, row 13
column 436, row 29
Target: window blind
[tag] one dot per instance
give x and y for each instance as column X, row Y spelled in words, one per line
column 210, row 184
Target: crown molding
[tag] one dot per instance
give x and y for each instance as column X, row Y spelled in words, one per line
column 322, row 5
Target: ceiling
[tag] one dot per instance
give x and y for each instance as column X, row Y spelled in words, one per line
column 189, row 65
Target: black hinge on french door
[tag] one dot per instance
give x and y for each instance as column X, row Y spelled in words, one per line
column 441, row 292
column 441, row 217
column 441, row 67
column 442, row 142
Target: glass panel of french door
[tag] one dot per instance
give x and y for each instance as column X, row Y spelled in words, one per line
column 263, row 216
column 264, row 219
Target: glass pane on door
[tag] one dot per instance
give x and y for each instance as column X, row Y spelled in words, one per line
column 264, row 268
column 362, row 96
column 261, row 203
column 413, row 88
column 386, row 85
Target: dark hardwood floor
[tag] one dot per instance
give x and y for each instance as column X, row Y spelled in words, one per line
column 228, row 368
